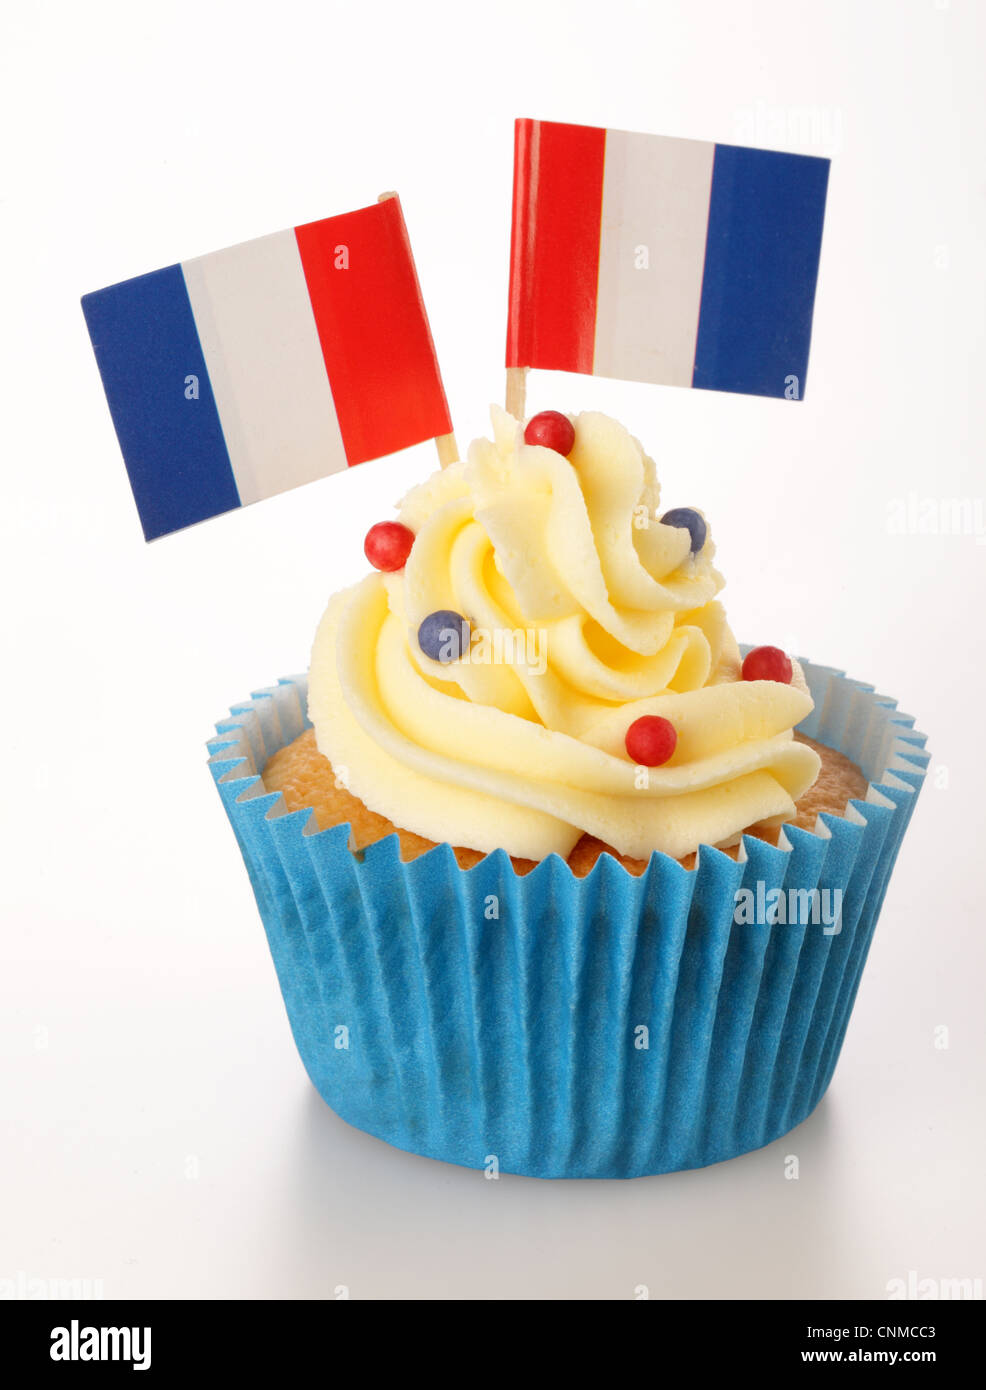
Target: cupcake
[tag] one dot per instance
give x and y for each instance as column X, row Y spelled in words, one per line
column 555, row 876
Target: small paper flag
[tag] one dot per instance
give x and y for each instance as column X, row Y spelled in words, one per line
column 663, row 260
column 244, row 373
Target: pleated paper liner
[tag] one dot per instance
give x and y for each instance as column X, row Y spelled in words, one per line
column 610, row 1026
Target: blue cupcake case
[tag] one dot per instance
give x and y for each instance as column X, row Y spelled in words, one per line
column 607, row 1027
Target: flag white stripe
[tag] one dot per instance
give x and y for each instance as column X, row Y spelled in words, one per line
column 655, row 214
column 255, row 323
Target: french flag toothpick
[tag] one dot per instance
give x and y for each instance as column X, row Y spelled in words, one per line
column 654, row 259
column 241, row 374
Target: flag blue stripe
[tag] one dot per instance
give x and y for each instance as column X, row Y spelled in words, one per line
column 146, row 345
column 761, row 264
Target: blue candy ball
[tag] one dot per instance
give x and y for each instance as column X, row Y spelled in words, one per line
column 444, row 635
column 692, row 521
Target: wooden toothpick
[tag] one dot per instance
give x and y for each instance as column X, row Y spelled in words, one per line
column 516, row 400
column 448, row 450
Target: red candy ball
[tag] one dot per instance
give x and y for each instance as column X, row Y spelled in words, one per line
column 388, row 544
column 651, row 740
column 767, row 664
column 552, row 430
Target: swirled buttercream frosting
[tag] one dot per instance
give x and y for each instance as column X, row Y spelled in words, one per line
column 585, row 613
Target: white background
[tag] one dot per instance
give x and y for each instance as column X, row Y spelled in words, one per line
column 143, row 1041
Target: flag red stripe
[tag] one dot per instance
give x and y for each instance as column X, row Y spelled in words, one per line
column 373, row 330
column 554, row 251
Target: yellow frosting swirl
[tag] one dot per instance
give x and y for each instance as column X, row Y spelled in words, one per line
column 585, row 612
